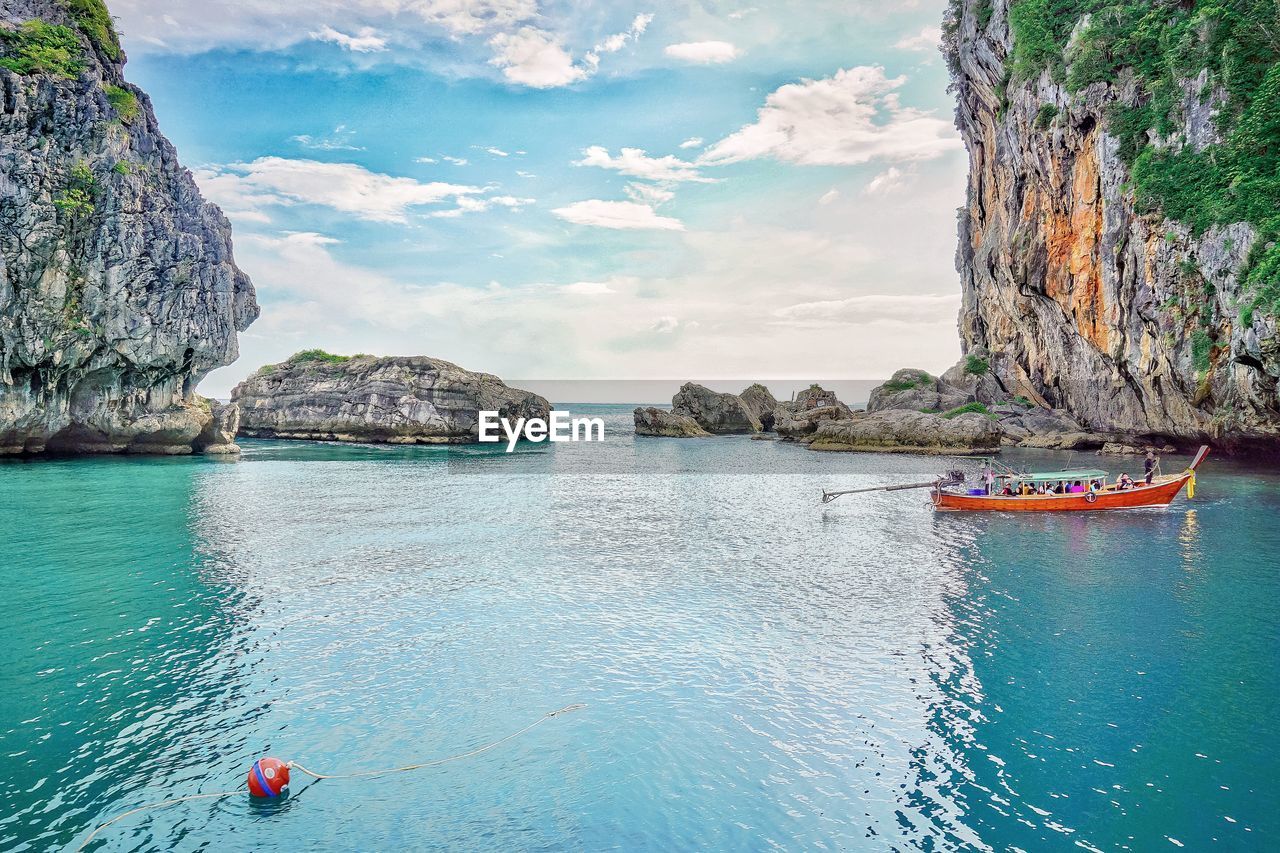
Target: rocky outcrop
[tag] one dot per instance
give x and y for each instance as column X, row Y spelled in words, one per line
column 219, row 435
column 715, row 412
column 1081, row 301
column 397, row 400
column 662, row 422
column 1112, row 448
column 968, row 388
column 904, row 431
column 761, row 402
column 916, row 390
column 800, row 418
column 118, row 290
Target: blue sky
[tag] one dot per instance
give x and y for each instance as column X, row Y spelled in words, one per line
column 583, row 190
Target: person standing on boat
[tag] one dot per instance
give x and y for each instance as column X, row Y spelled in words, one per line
column 989, row 477
column 1150, row 464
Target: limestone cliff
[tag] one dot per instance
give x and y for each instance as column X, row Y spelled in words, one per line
column 1080, row 291
column 118, row 290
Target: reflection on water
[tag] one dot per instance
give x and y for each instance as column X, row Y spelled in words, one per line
column 759, row 670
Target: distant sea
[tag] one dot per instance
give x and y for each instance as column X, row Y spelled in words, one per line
column 759, row 670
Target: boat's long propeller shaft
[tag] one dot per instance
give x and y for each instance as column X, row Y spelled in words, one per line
column 951, row 479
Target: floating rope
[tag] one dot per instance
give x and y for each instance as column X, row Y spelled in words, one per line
column 145, row 806
column 435, row 762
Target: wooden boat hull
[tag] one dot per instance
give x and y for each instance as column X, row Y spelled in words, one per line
column 1159, row 494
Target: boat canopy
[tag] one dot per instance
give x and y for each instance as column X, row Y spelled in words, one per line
column 1055, row 476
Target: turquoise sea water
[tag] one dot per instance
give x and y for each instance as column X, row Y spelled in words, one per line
column 759, row 671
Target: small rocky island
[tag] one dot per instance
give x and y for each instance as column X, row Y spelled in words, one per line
column 964, row 411
column 319, row 396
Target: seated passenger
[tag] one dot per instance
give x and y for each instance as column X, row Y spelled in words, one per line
column 1077, row 487
column 1125, row 482
column 1025, row 489
column 1007, row 491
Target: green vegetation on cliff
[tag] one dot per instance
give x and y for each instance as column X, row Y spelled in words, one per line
column 37, row 47
column 317, row 355
column 77, row 199
column 95, row 21
column 967, row 408
column 1165, row 45
column 124, row 102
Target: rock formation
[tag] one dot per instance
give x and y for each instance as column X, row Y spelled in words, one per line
column 397, row 400
column 1078, row 289
column 761, row 402
column 903, row 431
column 916, row 390
column 219, row 435
column 799, row 418
column 662, row 422
column 714, row 412
column 118, row 290
column 1017, row 420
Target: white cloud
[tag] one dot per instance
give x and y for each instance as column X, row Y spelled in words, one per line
column 636, row 163
column 618, row 215
column 829, row 196
column 341, row 139
column 692, row 142
column 724, row 279
column 534, row 58
column 366, row 39
column 615, row 42
column 869, row 308
column 192, row 26
column 928, row 38
column 853, row 117
column 886, row 182
column 537, row 58
column 457, row 161
column 588, row 288
column 345, row 187
column 649, row 193
column 479, row 204
column 702, row 52
column 424, row 160
column 497, row 152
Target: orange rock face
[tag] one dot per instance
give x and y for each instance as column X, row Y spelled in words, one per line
column 1074, row 274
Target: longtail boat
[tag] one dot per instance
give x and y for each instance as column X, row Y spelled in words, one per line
column 1019, row 491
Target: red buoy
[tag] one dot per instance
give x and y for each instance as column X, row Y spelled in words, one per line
column 268, row 777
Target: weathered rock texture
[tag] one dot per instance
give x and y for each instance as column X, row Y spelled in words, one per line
column 1081, row 301
column 714, row 412
column 118, row 290
column 397, row 400
column 903, row 431
column 916, row 390
column 761, row 402
column 662, row 422
column 219, row 435
column 970, row 388
column 796, row 419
